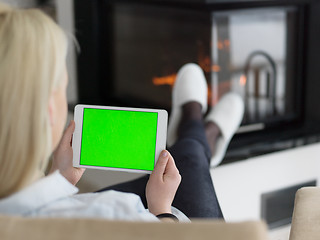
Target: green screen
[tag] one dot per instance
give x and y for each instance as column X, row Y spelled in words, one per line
column 118, row 139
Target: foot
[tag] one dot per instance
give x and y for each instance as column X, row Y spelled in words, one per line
column 191, row 111
column 190, row 86
column 227, row 116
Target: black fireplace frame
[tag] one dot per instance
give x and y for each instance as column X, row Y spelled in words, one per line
column 95, row 85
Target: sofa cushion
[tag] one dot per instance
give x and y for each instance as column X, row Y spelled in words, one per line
column 306, row 214
column 15, row 228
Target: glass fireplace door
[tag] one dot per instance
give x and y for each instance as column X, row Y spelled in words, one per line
column 253, row 54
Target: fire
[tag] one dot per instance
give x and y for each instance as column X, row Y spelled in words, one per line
column 210, row 97
column 166, row 80
column 243, row 80
column 204, row 62
column 170, row 79
column 216, row 68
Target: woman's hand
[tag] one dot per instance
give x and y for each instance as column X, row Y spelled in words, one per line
column 162, row 185
column 63, row 155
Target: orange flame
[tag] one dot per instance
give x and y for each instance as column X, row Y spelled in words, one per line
column 243, row 80
column 166, row 80
column 223, row 44
column 216, row 68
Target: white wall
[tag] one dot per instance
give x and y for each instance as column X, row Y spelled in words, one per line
column 65, row 18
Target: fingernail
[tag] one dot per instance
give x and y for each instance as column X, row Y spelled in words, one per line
column 164, row 154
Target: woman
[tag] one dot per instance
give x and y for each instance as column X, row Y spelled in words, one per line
column 33, row 109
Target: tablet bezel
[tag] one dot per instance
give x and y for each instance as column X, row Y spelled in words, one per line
column 77, row 135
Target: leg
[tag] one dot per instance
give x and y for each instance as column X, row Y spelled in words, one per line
column 196, row 196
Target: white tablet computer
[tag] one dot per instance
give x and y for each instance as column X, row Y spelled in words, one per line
column 114, row 138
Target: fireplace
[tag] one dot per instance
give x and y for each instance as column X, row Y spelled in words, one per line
column 266, row 51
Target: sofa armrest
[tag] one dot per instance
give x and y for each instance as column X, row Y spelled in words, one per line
column 306, row 214
column 15, row 228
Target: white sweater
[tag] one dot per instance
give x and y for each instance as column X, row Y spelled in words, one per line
column 54, row 196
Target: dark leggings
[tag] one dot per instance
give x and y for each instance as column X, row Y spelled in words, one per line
column 196, row 196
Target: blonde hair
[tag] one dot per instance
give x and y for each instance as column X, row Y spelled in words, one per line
column 32, row 58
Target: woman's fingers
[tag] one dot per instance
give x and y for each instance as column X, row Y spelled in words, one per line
column 171, row 166
column 161, row 164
